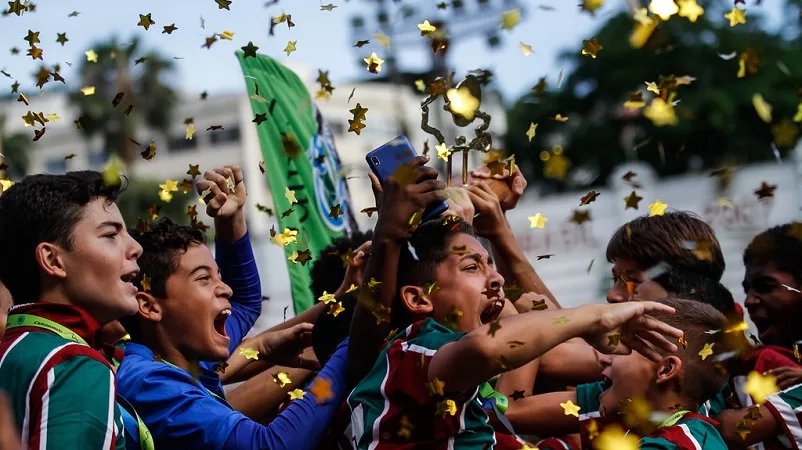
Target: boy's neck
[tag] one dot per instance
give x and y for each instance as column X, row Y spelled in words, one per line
column 667, row 404
column 173, row 356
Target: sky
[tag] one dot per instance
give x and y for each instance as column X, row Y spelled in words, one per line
column 323, row 39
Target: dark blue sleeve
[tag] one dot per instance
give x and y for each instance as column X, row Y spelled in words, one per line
column 303, row 423
column 239, row 271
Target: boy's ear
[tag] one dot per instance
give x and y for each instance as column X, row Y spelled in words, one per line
column 416, row 301
column 669, row 370
column 49, row 258
column 149, row 307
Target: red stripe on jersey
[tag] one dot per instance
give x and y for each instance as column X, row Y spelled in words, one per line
column 40, row 387
column 785, row 430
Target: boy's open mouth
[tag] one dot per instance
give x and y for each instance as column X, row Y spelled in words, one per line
column 220, row 322
column 491, row 311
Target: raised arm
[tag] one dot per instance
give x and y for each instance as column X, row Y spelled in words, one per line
column 479, row 356
column 226, row 195
column 401, row 198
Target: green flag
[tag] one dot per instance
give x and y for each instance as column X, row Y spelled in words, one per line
column 299, row 155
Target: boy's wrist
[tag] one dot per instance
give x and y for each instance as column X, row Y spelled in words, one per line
column 230, row 229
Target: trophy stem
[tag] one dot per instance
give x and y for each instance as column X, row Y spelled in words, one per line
column 449, row 170
column 465, row 167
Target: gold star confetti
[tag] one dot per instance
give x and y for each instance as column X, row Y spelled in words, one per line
column 538, row 221
column 250, row 50
column 706, row 351
column 527, row 49
column 530, row 133
column 511, row 18
column 374, row 63
column 760, row 386
column 283, row 239
column 742, row 428
column 690, row 9
column 632, row 200
column 5, row 184
column 635, row 101
column 17, row 7
column 249, row 353
column 328, row 7
column 111, row 171
column 335, row 212
column 221, row 367
column 290, row 47
column 224, row 4
column 765, row 190
column 446, row 407
column 589, row 198
column 88, row 90
column 327, row 298
column 591, row 6
column 169, row 29
column 335, row 309
column 651, row 86
column 683, row 342
column 426, row 28
column 442, row 151
column 560, row 321
column 91, row 56
column 384, row 41
column 352, row 288
column 660, row 113
column 798, row 116
column 462, row 102
column 61, row 38
column 290, row 195
column 658, row 208
column 663, row 8
column 405, row 431
column 145, row 21
column 281, row 378
column 762, row 108
column 435, row 386
column 613, row 437
column 296, row 394
column 736, row 16
column 591, row 47
column 570, row 409
column 321, row 389
column 169, row 185
column 560, row 118
column 356, row 123
column 382, row 314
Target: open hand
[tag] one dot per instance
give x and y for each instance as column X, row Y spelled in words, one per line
column 634, row 328
column 286, row 347
column 224, row 191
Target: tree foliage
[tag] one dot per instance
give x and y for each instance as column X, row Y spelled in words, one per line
column 717, row 124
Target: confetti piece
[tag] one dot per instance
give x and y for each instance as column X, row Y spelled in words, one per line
column 335, row 309
column 537, row 221
column 526, row 49
column 762, row 108
column 591, row 6
column 290, row 195
column 435, row 386
column 426, row 28
column 296, row 394
column 282, row 379
column 765, row 190
column 530, row 133
column 327, row 298
column 374, row 63
column 663, row 8
column 509, row 19
column 446, row 407
column 613, row 437
column 591, row 47
column 249, row 353
column 443, row 151
column 657, row 208
column 88, row 90
column 660, row 113
column 736, row 16
column 570, row 409
column 290, row 47
column 760, row 386
column 589, row 198
column 706, row 351
column 690, row 9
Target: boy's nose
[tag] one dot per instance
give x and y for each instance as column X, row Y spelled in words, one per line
column 605, row 360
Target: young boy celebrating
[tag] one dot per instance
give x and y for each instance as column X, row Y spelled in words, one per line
column 188, row 319
column 657, row 400
column 69, row 271
column 424, row 388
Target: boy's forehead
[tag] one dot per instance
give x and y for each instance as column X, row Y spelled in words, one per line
column 100, row 210
column 463, row 245
column 196, row 255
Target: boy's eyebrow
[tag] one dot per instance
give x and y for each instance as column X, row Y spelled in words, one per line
column 110, row 223
column 475, row 256
column 201, row 267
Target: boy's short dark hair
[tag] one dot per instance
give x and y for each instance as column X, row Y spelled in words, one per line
column 779, row 246
column 701, row 379
column 43, row 208
column 692, row 286
column 330, row 330
column 162, row 246
column 328, row 269
column 669, row 238
column 428, row 246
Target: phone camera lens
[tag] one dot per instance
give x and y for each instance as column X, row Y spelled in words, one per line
column 375, row 160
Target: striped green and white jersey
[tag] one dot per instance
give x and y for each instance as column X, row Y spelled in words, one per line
column 62, row 392
column 786, row 407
